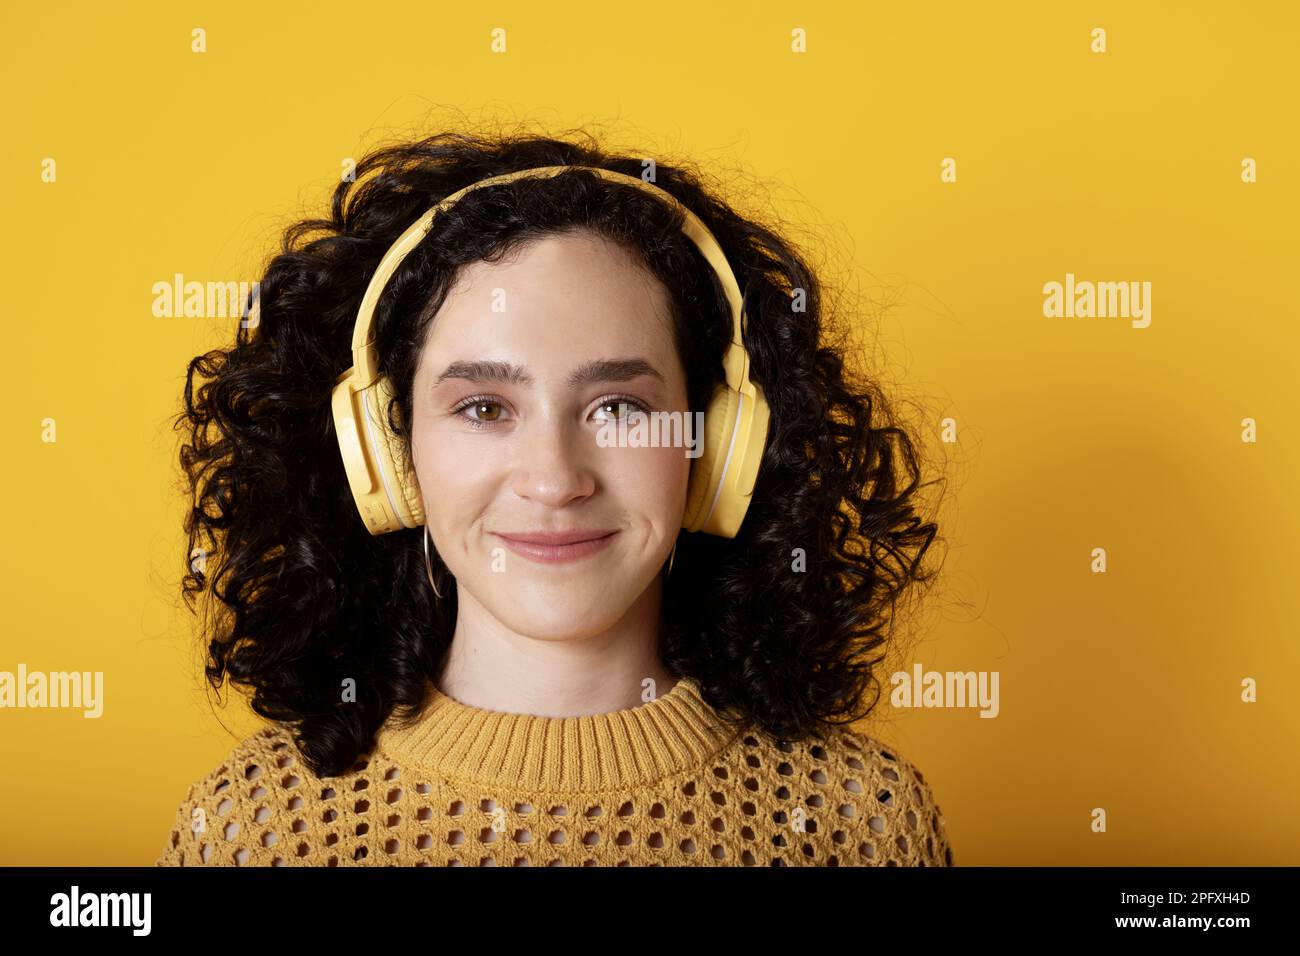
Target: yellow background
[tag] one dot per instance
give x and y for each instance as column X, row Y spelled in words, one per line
column 1118, row 690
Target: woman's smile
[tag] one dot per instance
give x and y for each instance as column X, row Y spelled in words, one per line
column 557, row 548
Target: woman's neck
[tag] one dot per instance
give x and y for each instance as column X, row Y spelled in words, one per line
column 552, row 673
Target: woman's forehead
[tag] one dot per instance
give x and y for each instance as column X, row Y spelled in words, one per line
column 559, row 301
column 566, row 271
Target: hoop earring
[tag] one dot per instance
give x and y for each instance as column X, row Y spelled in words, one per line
column 670, row 559
column 428, row 569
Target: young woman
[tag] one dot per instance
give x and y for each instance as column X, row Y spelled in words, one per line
column 585, row 560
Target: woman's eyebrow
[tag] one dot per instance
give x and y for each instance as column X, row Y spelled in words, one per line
column 596, row 370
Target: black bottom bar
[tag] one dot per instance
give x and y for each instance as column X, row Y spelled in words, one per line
column 382, row 906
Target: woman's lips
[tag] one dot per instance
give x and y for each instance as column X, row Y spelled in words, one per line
column 557, row 553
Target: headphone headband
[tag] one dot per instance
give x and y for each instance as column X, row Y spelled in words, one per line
column 364, row 357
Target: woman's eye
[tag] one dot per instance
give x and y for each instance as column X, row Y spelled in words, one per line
column 480, row 417
column 623, row 407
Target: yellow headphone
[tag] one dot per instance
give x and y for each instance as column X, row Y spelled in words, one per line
column 385, row 488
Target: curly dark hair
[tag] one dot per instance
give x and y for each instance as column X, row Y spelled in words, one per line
column 308, row 597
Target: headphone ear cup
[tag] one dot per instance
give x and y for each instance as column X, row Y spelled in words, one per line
column 394, row 463
column 719, row 423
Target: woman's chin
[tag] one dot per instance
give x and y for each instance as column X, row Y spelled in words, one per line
column 567, row 611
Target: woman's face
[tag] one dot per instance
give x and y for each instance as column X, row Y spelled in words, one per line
column 509, row 399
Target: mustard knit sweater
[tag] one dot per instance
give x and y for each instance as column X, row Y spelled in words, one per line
column 666, row 783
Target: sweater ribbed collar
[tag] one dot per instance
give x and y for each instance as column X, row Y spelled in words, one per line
column 611, row 751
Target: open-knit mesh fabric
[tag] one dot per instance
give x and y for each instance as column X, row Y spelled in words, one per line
column 841, row 799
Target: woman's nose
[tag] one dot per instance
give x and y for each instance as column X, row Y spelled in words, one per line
column 554, row 464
